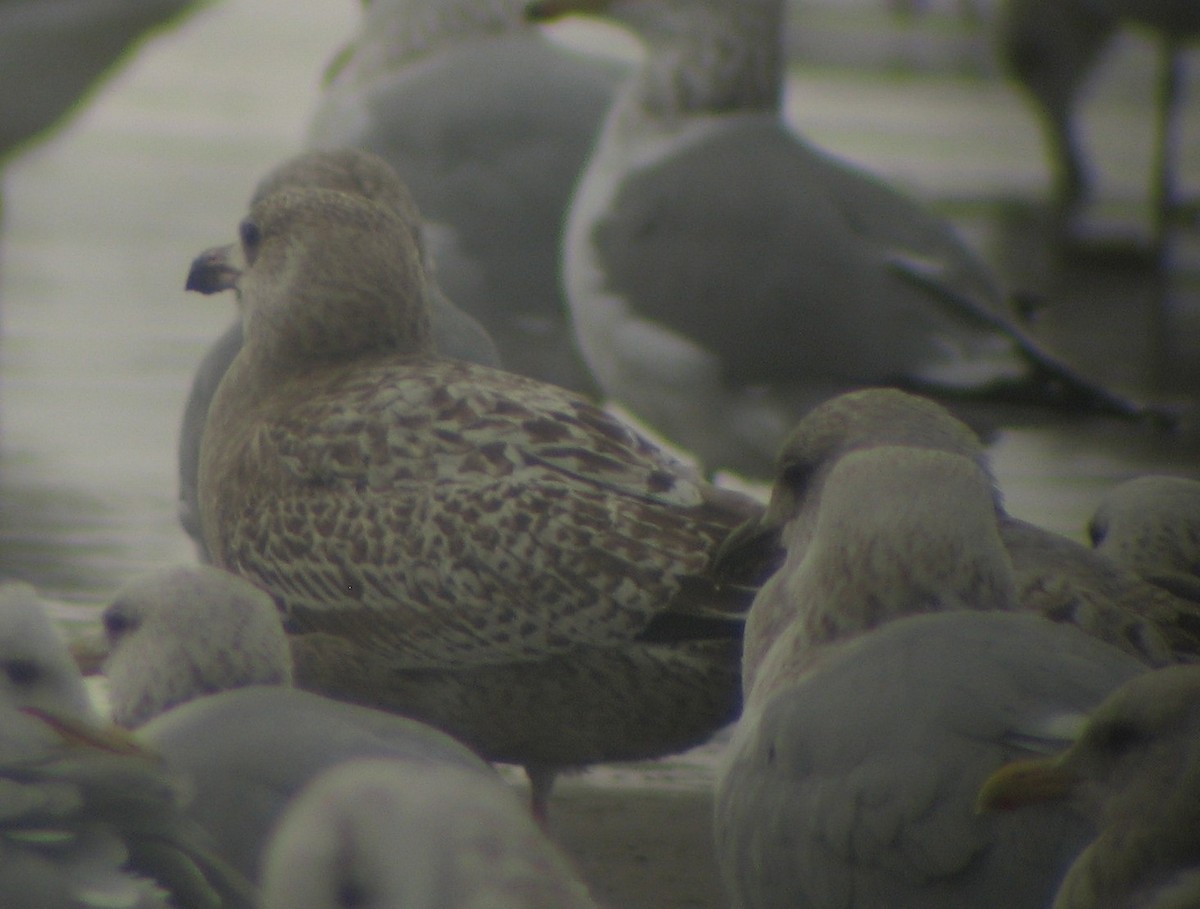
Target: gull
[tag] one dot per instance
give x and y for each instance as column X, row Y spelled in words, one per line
column 1134, row 768
column 455, row 333
column 87, row 817
column 489, row 122
column 1052, row 46
column 723, row 274
column 386, row 834
column 53, row 52
column 906, row 674
column 480, row 550
column 1056, row 576
column 199, row 666
column 1151, row 525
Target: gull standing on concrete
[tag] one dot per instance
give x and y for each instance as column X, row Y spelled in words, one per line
column 452, row 541
column 724, row 275
column 905, row 675
column 455, row 333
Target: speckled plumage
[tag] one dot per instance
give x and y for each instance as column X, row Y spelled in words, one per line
column 1151, row 525
column 419, row 514
column 1055, row 576
column 455, row 333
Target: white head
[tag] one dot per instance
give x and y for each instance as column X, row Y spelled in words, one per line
column 183, row 632
column 378, row 834
column 900, row 531
column 36, row 669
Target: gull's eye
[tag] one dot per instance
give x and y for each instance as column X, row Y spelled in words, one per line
column 251, row 237
column 117, row 623
column 1097, row 530
column 796, row 476
column 1116, row 738
column 21, row 673
column 351, row 895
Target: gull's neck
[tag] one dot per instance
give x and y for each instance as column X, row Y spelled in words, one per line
column 724, row 58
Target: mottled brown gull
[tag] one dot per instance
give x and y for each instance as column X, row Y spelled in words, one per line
column 1151, row 525
column 1135, row 769
column 179, row 641
column 723, row 274
column 489, row 122
column 906, row 674
column 388, row 835
column 455, row 333
column 481, row 550
column 87, row 819
column 1055, row 576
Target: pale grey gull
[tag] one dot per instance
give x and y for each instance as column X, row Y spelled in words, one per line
column 87, row 818
column 489, row 122
column 198, row 662
column 478, row 549
column 394, row 836
column 1056, row 576
column 1135, row 769
column 851, row 778
column 724, row 275
column 455, row 333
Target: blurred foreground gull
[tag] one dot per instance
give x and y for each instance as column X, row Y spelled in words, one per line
column 86, row 818
column 1151, row 525
column 455, row 333
column 489, row 122
column 850, row 780
column 1053, row 46
column 52, row 52
column 1055, row 576
column 199, row 657
column 724, row 275
column 480, row 550
column 389, row 835
column 1135, row 769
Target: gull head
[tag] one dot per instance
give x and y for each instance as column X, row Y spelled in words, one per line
column 183, row 632
column 330, row 277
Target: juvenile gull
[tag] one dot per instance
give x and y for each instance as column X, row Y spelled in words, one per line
column 1135, row 769
column 199, row 657
column 489, row 122
column 723, row 274
column 1056, row 576
column 1151, row 525
column 413, row 837
column 850, row 780
column 421, row 520
column 455, row 333
column 86, row 818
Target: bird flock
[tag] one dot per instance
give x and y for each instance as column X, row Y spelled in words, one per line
column 425, row 544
